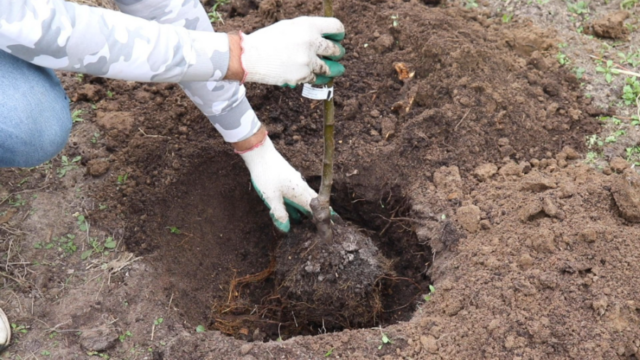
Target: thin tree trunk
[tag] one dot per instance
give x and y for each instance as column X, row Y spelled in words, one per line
column 321, row 207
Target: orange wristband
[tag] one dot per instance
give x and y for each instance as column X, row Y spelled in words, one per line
column 240, row 152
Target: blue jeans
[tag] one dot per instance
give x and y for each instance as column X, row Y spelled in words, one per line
column 35, row 121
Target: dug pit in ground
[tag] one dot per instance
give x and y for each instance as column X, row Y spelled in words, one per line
column 226, row 266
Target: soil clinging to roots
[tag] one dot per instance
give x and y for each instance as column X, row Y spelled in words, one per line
column 331, row 281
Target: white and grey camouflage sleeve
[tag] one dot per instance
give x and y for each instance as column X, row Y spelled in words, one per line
column 223, row 102
column 67, row 36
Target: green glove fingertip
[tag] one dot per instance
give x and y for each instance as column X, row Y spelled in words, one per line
column 339, row 56
column 288, row 203
column 294, row 214
column 335, row 68
column 334, row 36
column 288, row 86
column 282, row 226
column 322, row 80
column 293, row 209
column 335, row 218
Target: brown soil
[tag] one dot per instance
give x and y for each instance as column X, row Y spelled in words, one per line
column 465, row 175
column 475, row 95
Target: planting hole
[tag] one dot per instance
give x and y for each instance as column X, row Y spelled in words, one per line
column 212, row 246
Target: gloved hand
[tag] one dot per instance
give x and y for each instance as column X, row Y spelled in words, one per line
column 280, row 186
column 288, row 52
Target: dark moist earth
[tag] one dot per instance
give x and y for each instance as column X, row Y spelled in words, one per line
column 466, row 174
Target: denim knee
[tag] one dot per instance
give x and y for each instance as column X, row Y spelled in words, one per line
column 35, row 121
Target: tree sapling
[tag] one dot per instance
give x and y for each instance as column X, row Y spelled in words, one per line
column 320, row 205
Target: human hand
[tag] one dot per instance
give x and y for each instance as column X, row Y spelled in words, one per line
column 280, row 186
column 290, row 52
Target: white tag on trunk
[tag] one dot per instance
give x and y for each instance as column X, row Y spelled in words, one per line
column 323, row 93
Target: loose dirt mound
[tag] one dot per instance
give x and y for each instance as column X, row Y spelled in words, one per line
column 476, row 82
column 551, row 274
column 476, row 92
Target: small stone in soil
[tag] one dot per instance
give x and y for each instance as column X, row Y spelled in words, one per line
column 246, row 348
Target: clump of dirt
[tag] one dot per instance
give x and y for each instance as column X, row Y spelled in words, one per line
column 475, row 81
column 487, row 103
column 548, row 260
column 611, row 26
column 626, row 192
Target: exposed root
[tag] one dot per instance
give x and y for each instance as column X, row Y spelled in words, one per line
column 231, row 308
column 253, row 278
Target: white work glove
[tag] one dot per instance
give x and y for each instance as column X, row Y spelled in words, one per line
column 280, row 186
column 294, row 51
column 5, row 331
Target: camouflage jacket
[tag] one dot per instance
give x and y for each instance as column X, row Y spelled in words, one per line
column 67, row 36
